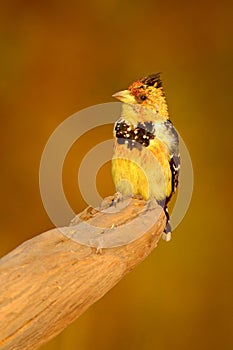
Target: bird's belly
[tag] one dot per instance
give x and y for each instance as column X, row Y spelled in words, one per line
column 142, row 170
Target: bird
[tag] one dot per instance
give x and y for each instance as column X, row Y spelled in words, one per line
column 146, row 160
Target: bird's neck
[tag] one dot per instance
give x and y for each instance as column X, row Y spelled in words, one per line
column 136, row 113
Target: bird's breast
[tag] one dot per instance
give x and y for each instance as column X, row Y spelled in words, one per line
column 140, row 162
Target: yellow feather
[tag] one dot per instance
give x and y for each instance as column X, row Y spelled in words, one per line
column 142, row 171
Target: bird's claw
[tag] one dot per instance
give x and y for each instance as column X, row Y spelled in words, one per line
column 118, row 197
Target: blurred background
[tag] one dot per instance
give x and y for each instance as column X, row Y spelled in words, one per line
column 59, row 57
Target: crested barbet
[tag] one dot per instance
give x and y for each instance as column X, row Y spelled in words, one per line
column 146, row 157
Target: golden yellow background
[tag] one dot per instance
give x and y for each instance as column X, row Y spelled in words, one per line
column 59, row 57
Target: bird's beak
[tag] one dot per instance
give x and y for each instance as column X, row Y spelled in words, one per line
column 124, row 96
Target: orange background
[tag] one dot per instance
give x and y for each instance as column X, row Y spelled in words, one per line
column 59, row 57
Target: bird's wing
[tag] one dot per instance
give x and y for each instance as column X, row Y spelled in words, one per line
column 175, row 168
column 174, row 156
column 166, row 133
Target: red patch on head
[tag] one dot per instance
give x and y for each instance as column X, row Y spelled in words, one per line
column 136, row 88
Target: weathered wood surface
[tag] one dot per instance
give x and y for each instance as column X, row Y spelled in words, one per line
column 50, row 280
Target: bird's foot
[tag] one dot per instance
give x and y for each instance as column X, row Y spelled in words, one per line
column 151, row 204
column 115, row 203
column 118, row 197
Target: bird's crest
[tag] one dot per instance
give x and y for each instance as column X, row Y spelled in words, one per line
column 152, row 80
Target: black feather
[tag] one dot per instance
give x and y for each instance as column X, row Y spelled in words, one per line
column 151, row 80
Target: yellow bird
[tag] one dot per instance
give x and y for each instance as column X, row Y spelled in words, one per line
column 146, row 150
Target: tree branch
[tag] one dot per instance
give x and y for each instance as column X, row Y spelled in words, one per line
column 50, row 280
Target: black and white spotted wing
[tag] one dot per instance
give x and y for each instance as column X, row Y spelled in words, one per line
column 174, row 158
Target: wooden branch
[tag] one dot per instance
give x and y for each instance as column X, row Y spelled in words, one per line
column 50, row 280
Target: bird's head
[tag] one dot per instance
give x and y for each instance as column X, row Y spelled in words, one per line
column 146, row 92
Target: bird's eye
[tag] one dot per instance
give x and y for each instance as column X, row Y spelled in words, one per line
column 143, row 97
